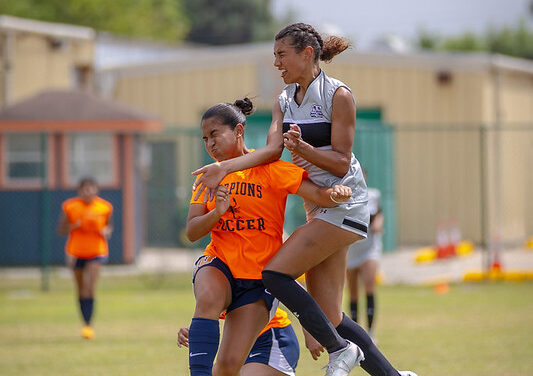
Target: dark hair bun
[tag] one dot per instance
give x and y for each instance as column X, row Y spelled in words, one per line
column 245, row 105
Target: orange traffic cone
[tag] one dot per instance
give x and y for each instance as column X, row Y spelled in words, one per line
column 441, row 240
column 454, row 238
column 496, row 263
column 441, row 288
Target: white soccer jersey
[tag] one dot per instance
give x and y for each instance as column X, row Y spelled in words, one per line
column 313, row 116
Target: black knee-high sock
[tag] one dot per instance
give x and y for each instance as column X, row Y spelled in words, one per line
column 370, row 309
column 375, row 362
column 86, row 307
column 353, row 310
column 304, row 307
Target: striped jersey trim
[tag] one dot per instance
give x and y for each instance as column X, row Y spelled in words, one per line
column 315, row 134
column 355, row 225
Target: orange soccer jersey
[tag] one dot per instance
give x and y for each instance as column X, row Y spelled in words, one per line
column 280, row 320
column 87, row 240
column 250, row 232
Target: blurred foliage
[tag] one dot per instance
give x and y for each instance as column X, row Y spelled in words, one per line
column 513, row 41
column 155, row 19
column 211, row 22
column 230, row 21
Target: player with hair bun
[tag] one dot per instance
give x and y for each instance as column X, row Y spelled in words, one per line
column 245, row 220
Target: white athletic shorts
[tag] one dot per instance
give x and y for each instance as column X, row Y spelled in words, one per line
column 353, row 217
column 370, row 248
column 277, row 348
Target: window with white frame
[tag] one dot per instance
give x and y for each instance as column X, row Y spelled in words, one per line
column 91, row 154
column 25, row 156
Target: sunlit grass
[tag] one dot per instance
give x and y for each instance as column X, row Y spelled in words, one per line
column 475, row 329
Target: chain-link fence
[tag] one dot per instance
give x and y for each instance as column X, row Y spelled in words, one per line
column 478, row 176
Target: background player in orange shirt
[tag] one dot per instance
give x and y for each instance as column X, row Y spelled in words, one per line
column 274, row 353
column 87, row 221
column 245, row 221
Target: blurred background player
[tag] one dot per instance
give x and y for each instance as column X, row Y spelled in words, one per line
column 274, row 353
column 87, row 221
column 363, row 261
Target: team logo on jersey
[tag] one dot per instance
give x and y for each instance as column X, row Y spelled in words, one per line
column 234, row 209
column 316, row 111
column 236, row 222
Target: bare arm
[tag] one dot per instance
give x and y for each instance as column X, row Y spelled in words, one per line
column 65, row 227
column 215, row 172
column 323, row 196
column 108, row 229
column 337, row 160
column 200, row 221
column 314, row 347
column 376, row 222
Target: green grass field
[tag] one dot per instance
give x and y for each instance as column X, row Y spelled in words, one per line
column 474, row 330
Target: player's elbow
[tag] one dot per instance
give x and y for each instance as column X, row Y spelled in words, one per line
column 275, row 152
column 191, row 235
column 341, row 168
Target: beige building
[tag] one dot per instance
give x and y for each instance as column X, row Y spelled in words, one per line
column 463, row 125
column 53, row 132
column 37, row 55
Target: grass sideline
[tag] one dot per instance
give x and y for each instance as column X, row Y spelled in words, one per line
column 480, row 329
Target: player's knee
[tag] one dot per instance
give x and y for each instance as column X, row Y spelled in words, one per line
column 87, row 289
column 227, row 366
column 274, row 281
column 208, row 306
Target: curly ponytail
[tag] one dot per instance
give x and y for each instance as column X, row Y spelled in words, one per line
column 332, row 47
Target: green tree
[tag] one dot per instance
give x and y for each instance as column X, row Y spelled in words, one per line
column 155, row 19
column 513, row 41
column 427, row 40
column 230, row 21
column 466, row 42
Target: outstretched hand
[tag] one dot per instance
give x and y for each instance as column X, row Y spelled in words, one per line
column 222, row 200
column 293, row 138
column 211, row 176
column 314, row 347
column 183, row 337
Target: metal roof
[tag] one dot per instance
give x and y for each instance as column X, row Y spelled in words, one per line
column 70, row 110
column 15, row 24
column 187, row 58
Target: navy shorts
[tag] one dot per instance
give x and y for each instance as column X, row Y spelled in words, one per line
column 81, row 262
column 243, row 291
column 277, row 348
